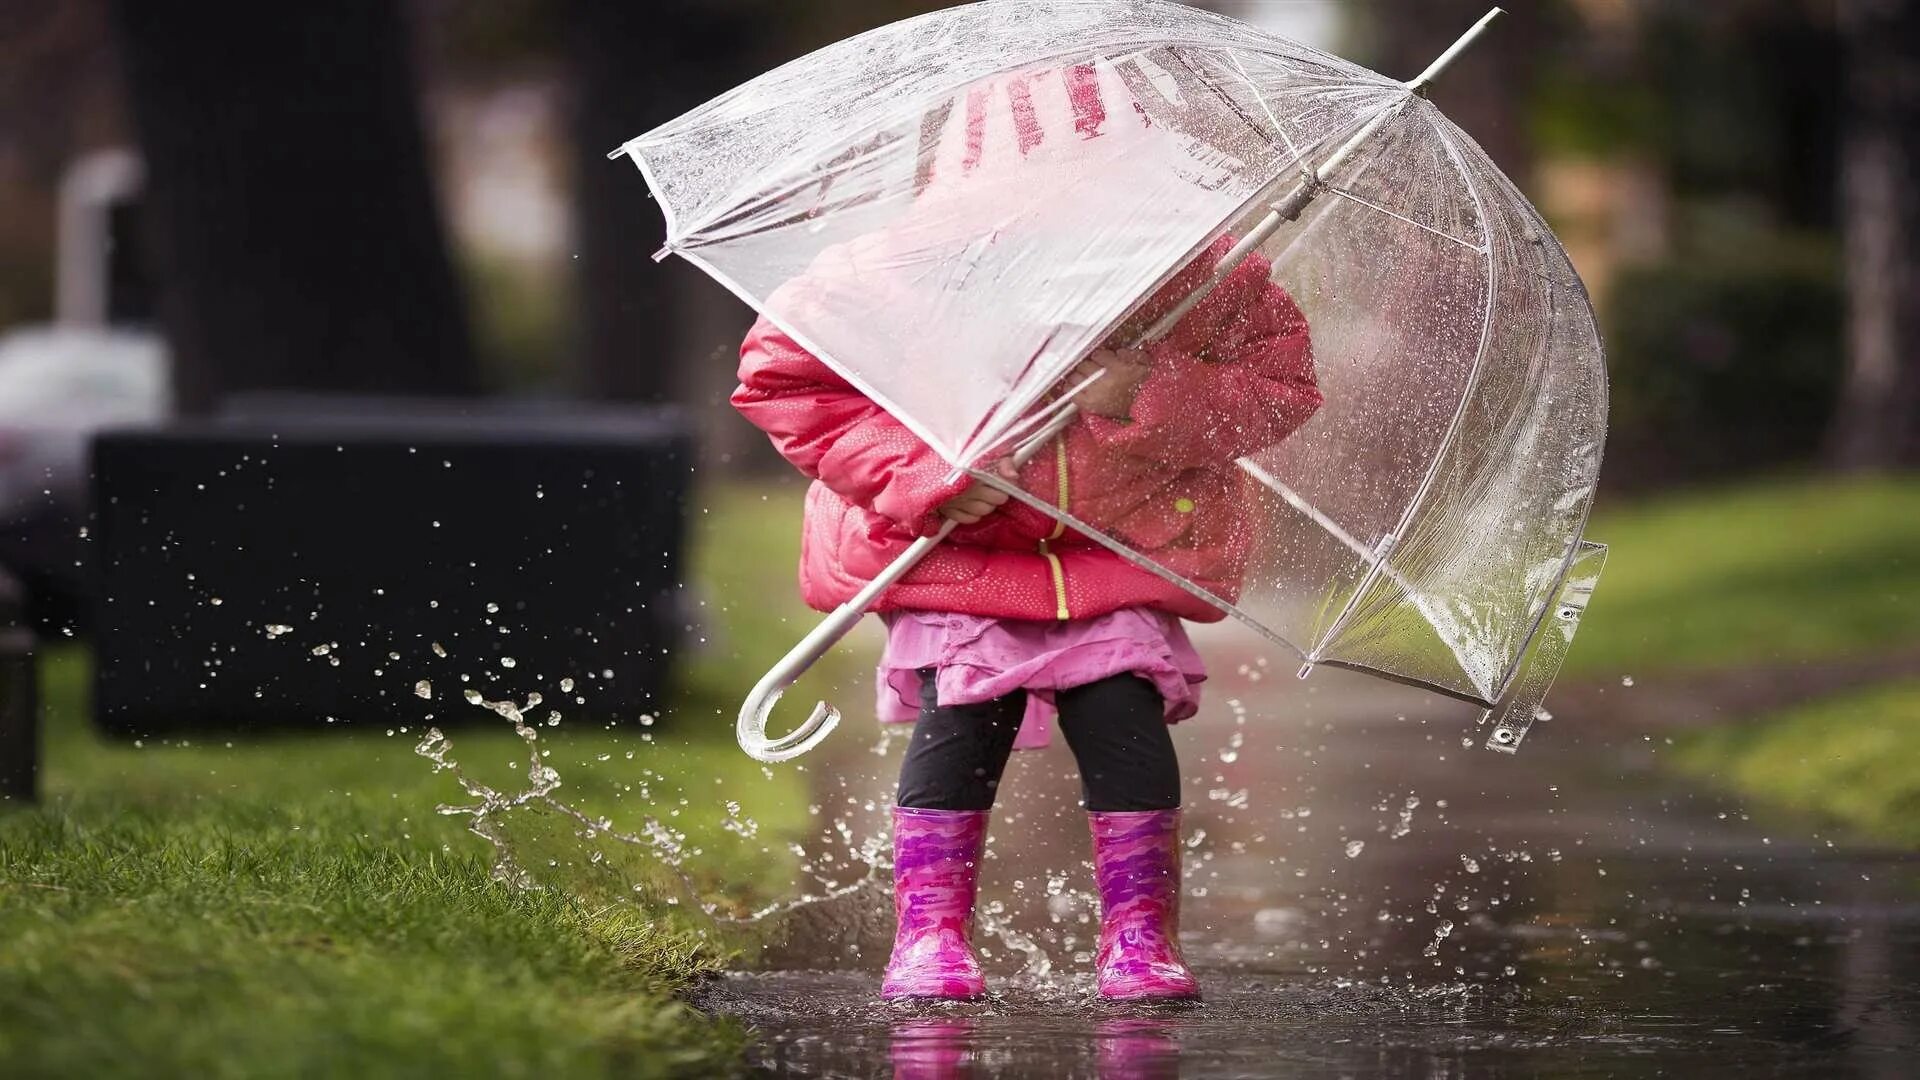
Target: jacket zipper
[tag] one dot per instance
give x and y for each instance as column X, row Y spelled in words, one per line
column 1059, row 528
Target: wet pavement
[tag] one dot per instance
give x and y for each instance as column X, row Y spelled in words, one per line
column 1367, row 896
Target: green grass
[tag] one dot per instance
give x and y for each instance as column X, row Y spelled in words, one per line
column 1789, row 569
column 294, row 904
column 1852, row 759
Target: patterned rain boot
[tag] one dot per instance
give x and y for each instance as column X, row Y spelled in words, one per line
column 936, row 869
column 1136, row 861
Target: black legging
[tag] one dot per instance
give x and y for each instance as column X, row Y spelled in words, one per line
column 1116, row 727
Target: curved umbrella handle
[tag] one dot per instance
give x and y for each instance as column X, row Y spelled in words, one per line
column 752, row 730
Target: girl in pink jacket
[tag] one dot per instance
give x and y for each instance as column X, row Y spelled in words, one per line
column 1017, row 620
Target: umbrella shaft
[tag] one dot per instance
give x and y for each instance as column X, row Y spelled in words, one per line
column 1287, row 209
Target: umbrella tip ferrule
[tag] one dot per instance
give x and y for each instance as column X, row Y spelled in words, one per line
column 1418, row 85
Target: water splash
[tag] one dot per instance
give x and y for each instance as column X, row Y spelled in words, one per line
column 488, row 813
column 1404, row 825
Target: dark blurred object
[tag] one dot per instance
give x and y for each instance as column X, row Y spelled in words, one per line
column 635, row 66
column 297, row 241
column 103, row 270
column 265, row 568
column 59, row 98
column 1878, row 423
column 1721, row 367
column 19, row 699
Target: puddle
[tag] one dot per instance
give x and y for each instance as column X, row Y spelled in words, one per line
column 1368, row 897
column 1368, row 894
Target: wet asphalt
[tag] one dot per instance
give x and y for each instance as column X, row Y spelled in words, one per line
column 1368, row 895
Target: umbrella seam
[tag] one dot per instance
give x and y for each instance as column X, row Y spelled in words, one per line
column 1572, row 555
column 1460, row 411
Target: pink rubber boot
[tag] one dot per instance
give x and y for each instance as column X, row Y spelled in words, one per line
column 1136, row 861
column 936, row 871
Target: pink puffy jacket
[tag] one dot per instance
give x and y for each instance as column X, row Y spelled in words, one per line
column 1234, row 376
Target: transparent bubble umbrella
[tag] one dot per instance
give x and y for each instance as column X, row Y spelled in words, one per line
column 951, row 211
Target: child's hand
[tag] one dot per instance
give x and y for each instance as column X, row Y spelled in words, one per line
column 1111, row 396
column 979, row 500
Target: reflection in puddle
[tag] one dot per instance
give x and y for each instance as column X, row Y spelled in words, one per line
column 949, row 1048
column 932, row 1049
column 1136, row 1050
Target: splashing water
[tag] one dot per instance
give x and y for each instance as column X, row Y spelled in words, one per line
column 542, row 838
column 863, row 866
column 1405, row 824
column 663, row 845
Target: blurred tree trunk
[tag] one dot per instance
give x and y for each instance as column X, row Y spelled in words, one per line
column 1486, row 88
column 299, row 244
column 1877, row 424
column 635, row 66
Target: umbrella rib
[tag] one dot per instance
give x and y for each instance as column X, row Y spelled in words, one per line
column 1371, row 205
column 1314, row 514
column 1133, row 556
column 1232, row 105
column 1298, row 157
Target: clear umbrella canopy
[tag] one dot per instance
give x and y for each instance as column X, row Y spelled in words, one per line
column 953, row 210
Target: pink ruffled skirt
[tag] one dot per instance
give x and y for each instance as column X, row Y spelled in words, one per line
column 977, row 659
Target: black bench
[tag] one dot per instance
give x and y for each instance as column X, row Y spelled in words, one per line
column 266, row 567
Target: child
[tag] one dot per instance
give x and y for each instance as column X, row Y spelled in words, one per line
column 1016, row 616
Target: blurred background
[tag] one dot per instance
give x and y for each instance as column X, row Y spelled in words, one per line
column 207, row 208
column 1731, row 179
column 204, row 211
